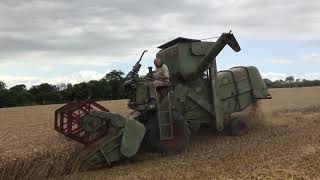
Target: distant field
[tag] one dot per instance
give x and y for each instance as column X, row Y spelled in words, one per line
column 283, row 143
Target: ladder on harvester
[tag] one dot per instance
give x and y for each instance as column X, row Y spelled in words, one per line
column 164, row 117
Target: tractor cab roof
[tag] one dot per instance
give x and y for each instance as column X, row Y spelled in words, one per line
column 176, row 41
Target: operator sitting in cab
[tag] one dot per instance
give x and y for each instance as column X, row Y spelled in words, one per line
column 161, row 76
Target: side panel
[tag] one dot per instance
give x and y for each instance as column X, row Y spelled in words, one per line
column 132, row 137
column 194, row 101
column 260, row 89
column 239, row 87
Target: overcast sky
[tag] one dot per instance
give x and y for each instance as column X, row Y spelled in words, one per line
column 74, row 41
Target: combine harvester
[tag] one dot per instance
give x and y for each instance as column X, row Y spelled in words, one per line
column 197, row 95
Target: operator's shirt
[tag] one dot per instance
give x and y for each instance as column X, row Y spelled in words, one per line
column 163, row 71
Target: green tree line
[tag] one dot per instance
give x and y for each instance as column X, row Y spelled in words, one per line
column 290, row 81
column 109, row 87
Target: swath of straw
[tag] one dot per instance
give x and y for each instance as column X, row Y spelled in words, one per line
column 50, row 165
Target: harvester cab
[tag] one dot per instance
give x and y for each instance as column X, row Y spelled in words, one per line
column 197, row 94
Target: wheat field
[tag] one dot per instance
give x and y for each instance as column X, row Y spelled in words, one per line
column 283, row 143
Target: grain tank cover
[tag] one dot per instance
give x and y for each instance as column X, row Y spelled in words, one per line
column 176, row 41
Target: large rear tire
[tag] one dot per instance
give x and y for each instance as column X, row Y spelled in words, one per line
column 181, row 135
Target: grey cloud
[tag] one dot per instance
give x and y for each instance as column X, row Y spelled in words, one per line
column 118, row 28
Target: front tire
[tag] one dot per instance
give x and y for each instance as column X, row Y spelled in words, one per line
column 180, row 140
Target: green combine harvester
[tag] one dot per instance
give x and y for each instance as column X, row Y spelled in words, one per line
column 197, row 95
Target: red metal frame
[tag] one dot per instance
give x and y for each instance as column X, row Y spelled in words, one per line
column 67, row 121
